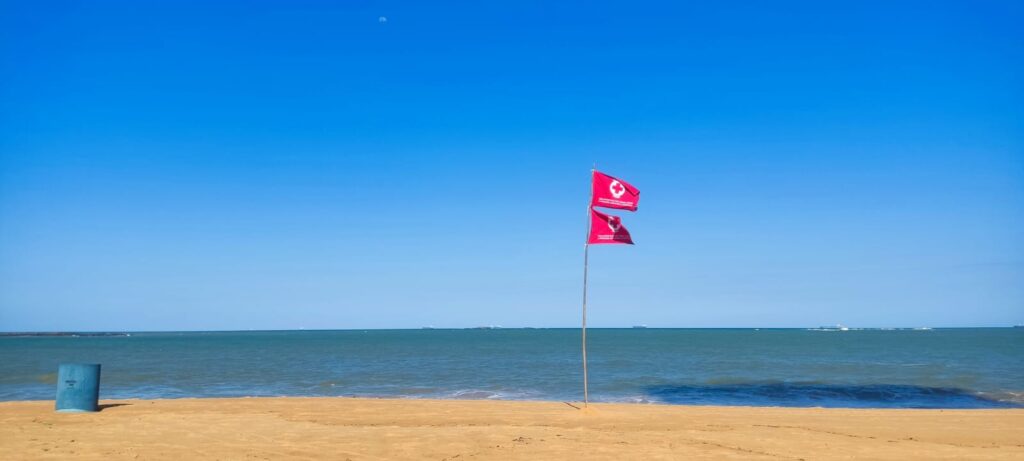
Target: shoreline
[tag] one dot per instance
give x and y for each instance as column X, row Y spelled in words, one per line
column 1009, row 404
column 388, row 428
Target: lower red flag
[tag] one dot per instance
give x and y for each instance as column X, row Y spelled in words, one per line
column 607, row 229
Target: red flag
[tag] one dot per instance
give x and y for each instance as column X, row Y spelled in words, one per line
column 610, row 192
column 607, row 229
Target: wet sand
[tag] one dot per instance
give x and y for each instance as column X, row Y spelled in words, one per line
column 372, row 429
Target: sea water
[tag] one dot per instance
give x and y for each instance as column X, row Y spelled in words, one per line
column 940, row 368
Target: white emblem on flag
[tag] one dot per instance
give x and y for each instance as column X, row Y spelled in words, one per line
column 614, row 223
column 616, row 188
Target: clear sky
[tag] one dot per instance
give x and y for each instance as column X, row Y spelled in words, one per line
column 277, row 165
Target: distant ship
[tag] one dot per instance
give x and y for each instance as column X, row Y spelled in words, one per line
column 639, row 326
column 1018, row 326
column 836, row 327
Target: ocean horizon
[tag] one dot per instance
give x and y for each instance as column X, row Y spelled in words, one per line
column 790, row 367
column 488, row 327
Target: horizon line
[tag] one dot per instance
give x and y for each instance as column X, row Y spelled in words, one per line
column 490, row 327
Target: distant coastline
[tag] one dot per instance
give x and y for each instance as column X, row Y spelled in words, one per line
column 63, row 333
column 429, row 328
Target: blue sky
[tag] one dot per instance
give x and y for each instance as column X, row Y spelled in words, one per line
column 181, row 165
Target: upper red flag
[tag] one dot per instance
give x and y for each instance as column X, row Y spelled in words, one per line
column 607, row 229
column 610, row 192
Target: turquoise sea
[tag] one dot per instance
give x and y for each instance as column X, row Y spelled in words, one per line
column 940, row 368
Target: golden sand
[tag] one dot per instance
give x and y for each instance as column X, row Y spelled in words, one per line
column 371, row 429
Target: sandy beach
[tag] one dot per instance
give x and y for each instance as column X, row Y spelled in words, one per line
column 357, row 429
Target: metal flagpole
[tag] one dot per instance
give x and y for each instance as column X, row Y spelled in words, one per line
column 586, row 256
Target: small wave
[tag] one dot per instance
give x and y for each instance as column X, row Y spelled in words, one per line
column 1011, row 397
column 329, row 384
column 628, row 399
column 474, row 394
column 481, row 394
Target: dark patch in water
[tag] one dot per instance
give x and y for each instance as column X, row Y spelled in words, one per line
column 824, row 395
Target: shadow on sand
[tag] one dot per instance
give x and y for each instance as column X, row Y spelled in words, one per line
column 104, row 406
column 824, row 395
